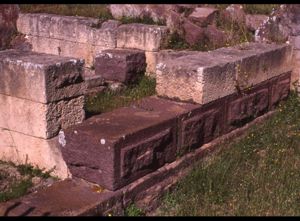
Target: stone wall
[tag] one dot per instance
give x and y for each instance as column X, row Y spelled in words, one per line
column 40, row 94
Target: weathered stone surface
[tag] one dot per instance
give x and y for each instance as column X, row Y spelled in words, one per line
column 123, row 65
column 254, row 21
column 243, row 108
column 115, row 148
column 208, row 76
column 38, row 119
column 64, row 198
column 192, row 33
column 40, row 77
column 215, row 36
column 70, row 28
column 8, row 17
column 203, row 15
column 235, row 12
column 158, row 12
column 20, row 148
column 141, row 36
column 201, row 125
column 280, row 89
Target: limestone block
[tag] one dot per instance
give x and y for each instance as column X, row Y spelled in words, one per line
column 123, row 65
column 115, row 148
column 69, row 28
column 40, row 77
column 20, row 149
column 38, row 119
column 141, row 36
column 254, row 21
column 205, row 77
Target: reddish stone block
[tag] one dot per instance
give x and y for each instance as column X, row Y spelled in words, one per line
column 243, row 108
column 202, row 125
column 123, row 65
column 280, row 89
column 115, row 148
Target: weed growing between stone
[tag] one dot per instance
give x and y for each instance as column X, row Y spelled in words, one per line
column 109, row 100
column 16, row 180
column 144, row 20
column 257, row 175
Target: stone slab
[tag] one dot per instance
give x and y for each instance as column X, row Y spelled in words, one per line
column 115, row 148
column 141, row 36
column 70, row 28
column 59, row 200
column 123, row 65
column 38, row 119
column 43, row 153
column 205, row 77
column 203, row 15
column 40, row 77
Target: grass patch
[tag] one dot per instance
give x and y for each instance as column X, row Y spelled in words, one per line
column 109, row 100
column 144, row 20
column 17, row 190
column 257, row 175
column 133, row 210
column 265, row 9
column 86, row 10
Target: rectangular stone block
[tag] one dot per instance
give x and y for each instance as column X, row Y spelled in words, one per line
column 115, row 148
column 123, row 65
column 70, row 28
column 207, row 76
column 44, row 153
column 280, row 89
column 243, row 108
column 141, row 36
column 40, row 77
column 201, row 125
column 38, row 119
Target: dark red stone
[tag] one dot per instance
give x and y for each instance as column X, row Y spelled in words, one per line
column 201, row 125
column 243, row 108
column 8, row 16
column 280, row 89
column 115, row 148
column 123, row 65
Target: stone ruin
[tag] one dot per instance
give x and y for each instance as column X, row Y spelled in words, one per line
column 133, row 153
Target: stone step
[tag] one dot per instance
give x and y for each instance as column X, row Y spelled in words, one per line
column 205, row 77
column 122, row 65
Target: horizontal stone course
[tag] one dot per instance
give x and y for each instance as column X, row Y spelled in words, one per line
column 141, row 36
column 204, row 77
column 130, row 142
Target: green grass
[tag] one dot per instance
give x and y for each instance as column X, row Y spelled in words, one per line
column 144, row 20
column 133, row 210
column 107, row 101
column 20, row 187
column 265, row 9
column 17, row 190
column 257, row 175
column 86, row 10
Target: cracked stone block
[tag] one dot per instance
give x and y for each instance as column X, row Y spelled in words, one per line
column 20, row 148
column 40, row 77
column 70, row 28
column 38, row 119
column 207, row 76
column 280, row 89
column 141, row 36
column 115, row 148
column 123, row 65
